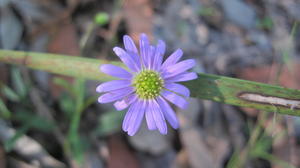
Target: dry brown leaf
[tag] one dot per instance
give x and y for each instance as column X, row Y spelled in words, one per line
column 120, row 155
column 139, row 17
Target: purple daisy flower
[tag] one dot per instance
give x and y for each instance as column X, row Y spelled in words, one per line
column 148, row 86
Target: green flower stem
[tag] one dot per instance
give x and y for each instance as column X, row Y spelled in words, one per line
column 222, row 89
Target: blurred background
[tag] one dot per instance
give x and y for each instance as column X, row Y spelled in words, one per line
column 53, row 121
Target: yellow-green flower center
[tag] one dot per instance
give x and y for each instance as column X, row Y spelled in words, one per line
column 148, row 84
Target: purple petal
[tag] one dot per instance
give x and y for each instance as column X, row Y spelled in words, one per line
column 131, row 49
column 172, row 59
column 150, row 56
column 186, row 76
column 158, row 116
column 115, row 71
column 112, row 85
column 162, row 47
column 144, row 49
column 168, row 112
column 178, row 88
column 149, row 118
column 134, row 119
column 175, row 99
column 126, row 59
column 129, row 44
column 123, row 104
column 128, row 115
column 178, row 68
column 115, row 95
column 159, row 53
column 120, row 105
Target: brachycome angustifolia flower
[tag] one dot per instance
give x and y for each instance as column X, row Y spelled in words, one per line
column 149, row 85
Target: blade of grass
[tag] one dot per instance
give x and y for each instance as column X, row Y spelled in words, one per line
column 10, row 94
column 4, row 112
column 18, row 82
column 64, row 84
column 286, row 58
column 74, row 138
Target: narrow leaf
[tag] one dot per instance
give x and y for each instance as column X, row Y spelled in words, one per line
column 222, row 89
column 10, row 94
column 5, row 113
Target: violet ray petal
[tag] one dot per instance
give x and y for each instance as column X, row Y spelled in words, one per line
column 144, row 49
column 168, row 112
column 126, row 59
column 178, row 88
column 115, row 71
column 129, row 44
column 120, row 105
column 186, row 76
column 178, row 68
column 159, row 53
column 136, row 118
column 151, row 56
column 123, row 104
column 149, row 118
column 113, row 85
column 173, row 58
column 158, row 117
column 137, row 59
column 175, row 99
column 126, row 123
column 162, row 46
column 115, row 95
column 131, row 49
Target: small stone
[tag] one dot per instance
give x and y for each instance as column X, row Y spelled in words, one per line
column 240, row 13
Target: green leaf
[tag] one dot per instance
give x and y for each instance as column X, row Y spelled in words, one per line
column 207, row 11
column 79, row 90
column 89, row 101
column 261, row 146
column 66, row 104
column 76, row 147
column 18, row 82
column 109, row 123
column 64, row 84
column 5, row 113
column 10, row 94
column 265, row 23
column 33, row 121
column 74, row 140
column 212, row 87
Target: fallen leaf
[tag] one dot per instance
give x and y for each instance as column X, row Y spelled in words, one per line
column 139, row 17
column 120, row 155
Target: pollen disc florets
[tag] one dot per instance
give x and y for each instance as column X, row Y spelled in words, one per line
column 148, row 84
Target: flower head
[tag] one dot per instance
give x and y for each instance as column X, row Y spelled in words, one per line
column 148, row 86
